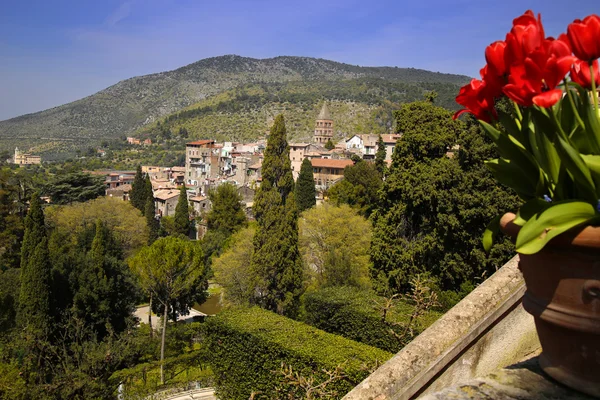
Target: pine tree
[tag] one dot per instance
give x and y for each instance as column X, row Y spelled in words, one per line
column 380, row 156
column 329, row 145
column 305, row 187
column 34, row 297
column 276, row 262
column 182, row 213
column 153, row 224
column 137, row 196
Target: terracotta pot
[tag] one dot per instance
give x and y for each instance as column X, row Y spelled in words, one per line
column 563, row 295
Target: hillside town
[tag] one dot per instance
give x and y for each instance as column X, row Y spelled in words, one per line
column 209, row 164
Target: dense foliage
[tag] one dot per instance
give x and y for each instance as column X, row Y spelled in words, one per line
column 305, row 187
column 334, row 243
column 74, row 187
column 257, row 342
column 436, row 202
column 359, row 188
column 361, row 315
column 276, row 261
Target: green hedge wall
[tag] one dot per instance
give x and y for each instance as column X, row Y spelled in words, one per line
column 355, row 314
column 247, row 346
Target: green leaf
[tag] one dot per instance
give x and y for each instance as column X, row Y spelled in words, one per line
column 512, row 128
column 577, row 168
column 491, row 231
column 551, row 222
column 511, row 175
column 529, row 209
column 590, row 117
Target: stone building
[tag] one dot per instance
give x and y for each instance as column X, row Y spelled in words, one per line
column 327, row 172
column 201, row 161
column 25, row 158
column 323, row 127
column 165, row 201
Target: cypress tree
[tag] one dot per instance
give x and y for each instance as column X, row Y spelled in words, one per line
column 329, row 145
column 137, row 196
column 182, row 213
column 153, row 224
column 148, row 193
column 34, row 297
column 276, row 263
column 104, row 294
column 380, row 156
column 305, row 187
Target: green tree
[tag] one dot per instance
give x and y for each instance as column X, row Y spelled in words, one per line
column 334, row 243
column 329, row 145
column 305, row 187
column 151, row 221
column 276, row 262
column 232, row 268
column 182, row 213
column 227, row 213
column 148, row 192
column 435, row 207
column 74, row 187
column 11, row 222
column 128, row 226
column 380, row 156
column 138, row 194
column 104, row 294
column 34, row 296
column 172, row 270
column 359, row 188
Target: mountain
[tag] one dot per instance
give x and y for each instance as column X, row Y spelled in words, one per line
column 221, row 85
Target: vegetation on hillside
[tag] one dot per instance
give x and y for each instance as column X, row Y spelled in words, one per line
column 260, row 89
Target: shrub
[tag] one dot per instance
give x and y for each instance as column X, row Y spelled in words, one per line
column 359, row 315
column 247, row 349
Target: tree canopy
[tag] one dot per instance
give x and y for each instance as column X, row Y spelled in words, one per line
column 334, row 243
column 435, row 206
column 305, row 187
column 276, row 262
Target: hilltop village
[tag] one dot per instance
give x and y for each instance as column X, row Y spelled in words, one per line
column 209, row 164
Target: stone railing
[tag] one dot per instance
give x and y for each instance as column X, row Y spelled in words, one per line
column 486, row 331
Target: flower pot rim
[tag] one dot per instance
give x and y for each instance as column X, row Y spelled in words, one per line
column 584, row 236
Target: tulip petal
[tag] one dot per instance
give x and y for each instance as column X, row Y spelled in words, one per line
column 548, row 99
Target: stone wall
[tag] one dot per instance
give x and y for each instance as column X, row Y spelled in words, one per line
column 486, row 331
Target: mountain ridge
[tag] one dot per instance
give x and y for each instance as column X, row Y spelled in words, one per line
column 133, row 103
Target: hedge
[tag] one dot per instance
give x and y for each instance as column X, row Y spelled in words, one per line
column 247, row 346
column 355, row 314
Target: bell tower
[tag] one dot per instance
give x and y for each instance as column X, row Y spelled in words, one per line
column 323, row 127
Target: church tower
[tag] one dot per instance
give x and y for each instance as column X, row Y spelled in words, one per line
column 323, row 127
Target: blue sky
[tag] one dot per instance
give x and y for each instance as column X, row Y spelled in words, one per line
column 56, row 51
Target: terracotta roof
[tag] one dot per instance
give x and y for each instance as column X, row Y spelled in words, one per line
column 256, row 166
column 200, row 142
column 166, row 194
column 178, row 169
column 390, row 138
column 198, row 198
column 161, row 184
column 299, row 144
column 126, row 187
column 327, row 163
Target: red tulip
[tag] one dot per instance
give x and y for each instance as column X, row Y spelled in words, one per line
column 494, row 55
column 580, row 73
column 477, row 101
column 534, row 81
column 526, row 35
column 585, row 37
